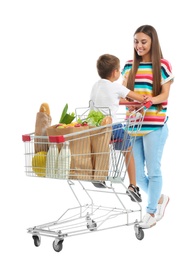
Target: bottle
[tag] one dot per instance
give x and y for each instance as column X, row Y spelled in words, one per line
column 64, row 160
column 51, row 161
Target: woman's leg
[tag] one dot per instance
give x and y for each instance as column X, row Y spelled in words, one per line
column 153, row 144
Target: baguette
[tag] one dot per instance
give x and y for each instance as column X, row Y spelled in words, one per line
column 43, row 121
column 107, row 120
column 45, row 108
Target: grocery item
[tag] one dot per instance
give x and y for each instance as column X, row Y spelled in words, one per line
column 107, row 120
column 95, row 118
column 65, row 117
column 100, row 140
column 80, row 147
column 43, row 121
column 52, row 160
column 39, row 163
column 45, row 108
column 64, row 160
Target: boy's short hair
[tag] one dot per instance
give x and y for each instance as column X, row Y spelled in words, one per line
column 106, row 64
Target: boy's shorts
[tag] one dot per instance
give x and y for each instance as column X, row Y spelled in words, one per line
column 120, row 138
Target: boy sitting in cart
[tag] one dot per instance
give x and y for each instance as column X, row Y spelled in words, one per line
column 107, row 92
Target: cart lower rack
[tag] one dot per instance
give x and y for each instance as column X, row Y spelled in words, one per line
column 87, row 218
column 89, row 161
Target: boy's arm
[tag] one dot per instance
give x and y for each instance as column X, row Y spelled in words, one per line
column 123, row 100
column 135, row 96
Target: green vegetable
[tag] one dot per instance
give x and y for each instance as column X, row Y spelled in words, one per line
column 65, row 117
column 95, row 118
column 79, row 121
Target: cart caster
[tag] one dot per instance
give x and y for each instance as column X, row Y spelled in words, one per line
column 92, row 226
column 139, row 234
column 57, row 245
column 37, row 240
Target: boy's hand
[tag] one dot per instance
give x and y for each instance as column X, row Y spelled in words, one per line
column 131, row 108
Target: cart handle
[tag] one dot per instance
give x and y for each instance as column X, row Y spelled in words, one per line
column 147, row 104
column 52, row 138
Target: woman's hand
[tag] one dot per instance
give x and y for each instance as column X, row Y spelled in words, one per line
column 148, row 98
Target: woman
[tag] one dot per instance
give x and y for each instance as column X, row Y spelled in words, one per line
column 150, row 74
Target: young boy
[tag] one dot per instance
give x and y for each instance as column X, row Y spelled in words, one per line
column 107, row 93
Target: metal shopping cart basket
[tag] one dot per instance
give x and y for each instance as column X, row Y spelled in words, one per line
column 90, row 164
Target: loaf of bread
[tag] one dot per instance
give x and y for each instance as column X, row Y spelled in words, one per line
column 43, row 121
column 45, row 108
column 107, row 120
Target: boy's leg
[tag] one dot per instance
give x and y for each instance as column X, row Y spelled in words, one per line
column 123, row 142
column 130, row 164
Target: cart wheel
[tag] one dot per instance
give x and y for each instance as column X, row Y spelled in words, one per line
column 140, row 234
column 93, row 226
column 58, row 247
column 37, row 240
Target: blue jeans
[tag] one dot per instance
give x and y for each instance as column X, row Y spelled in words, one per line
column 148, row 151
column 121, row 139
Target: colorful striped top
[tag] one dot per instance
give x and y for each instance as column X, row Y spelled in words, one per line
column 143, row 85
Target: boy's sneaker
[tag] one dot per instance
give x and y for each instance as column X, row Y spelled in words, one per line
column 99, row 184
column 133, row 193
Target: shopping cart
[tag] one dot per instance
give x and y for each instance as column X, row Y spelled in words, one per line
column 90, row 164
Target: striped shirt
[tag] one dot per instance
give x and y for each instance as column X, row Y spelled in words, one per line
column 153, row 119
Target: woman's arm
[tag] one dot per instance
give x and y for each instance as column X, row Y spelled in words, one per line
column 163, row 96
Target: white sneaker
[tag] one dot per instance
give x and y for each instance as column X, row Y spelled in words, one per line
column 161, row 208
column 148, row 221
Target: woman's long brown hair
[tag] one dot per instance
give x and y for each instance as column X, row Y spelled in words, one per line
column 156, row 56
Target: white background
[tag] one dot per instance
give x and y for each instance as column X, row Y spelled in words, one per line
column 48, row 53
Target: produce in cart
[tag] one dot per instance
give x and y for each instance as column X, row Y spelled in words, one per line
column 65, row 117
column 90, row 152
column 80, row 149
column 39, row 163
